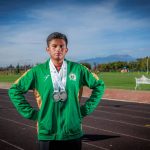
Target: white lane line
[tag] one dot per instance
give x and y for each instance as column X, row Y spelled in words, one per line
column 9, row 101
column 6, row 102
column 97, row 107
column 85, row 126
column 11, row 108
column 106, row 111
column 91, row 116
column 135, row 137
column 17, row 122
column 17, row 147
column 26, row 96
column 112, row 107
column 123, row 100
column 35, row 127
column 105, row 98
column 101, row 118
column 95, row 146
column 8, row 109
column 123, row 114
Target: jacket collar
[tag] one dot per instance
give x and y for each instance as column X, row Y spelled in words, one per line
column 46, row 64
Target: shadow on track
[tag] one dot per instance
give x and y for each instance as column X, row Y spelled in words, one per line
column 96, row 137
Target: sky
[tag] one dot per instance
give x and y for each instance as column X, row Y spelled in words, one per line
column 95, row 28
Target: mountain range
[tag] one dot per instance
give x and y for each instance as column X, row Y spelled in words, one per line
column 108, row 59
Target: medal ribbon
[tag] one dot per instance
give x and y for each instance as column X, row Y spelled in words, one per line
column 58, row 78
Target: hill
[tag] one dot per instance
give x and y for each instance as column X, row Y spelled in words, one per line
column 108, row 59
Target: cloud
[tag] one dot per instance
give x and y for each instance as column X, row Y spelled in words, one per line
column 92, row 30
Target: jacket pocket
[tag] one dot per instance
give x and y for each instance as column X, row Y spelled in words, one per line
column 43, row 129
column 74, row 125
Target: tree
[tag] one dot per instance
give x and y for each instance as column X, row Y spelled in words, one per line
column 17, row 70
column 86, row 65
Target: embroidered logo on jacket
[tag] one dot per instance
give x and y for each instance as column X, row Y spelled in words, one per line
column 46, row 77
column 72, row 76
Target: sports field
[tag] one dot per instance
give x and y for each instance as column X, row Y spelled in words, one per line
column 111, row 79
column 123, row 80
column 8, row 78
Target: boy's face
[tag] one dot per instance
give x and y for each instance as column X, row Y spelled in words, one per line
column 57, row 49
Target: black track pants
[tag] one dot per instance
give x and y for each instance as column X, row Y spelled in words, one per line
column 60, row 145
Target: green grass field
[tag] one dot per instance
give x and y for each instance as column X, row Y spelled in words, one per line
column 111, row 79
column 9, row 78
column 123, row 80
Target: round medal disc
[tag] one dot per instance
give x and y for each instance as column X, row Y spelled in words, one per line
column 63, row 96
column 56, row 96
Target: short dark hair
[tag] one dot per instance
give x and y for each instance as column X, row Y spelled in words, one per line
column 57, row 35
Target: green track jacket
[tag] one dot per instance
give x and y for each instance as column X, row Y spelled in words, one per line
column 57, row 120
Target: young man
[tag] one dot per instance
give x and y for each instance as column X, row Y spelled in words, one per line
column 56, row 85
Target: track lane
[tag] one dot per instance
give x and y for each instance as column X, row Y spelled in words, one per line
column 107, row 128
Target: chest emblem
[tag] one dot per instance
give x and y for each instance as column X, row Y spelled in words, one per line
column 72, row 76
column 46, row 77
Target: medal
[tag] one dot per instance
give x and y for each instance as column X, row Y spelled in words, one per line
column 56, row 96
column 59, row 81
column 63, row 96
column 60, row 96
